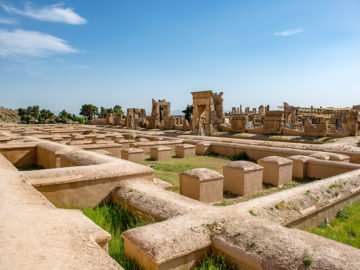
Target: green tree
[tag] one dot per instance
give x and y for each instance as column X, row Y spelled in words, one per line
column 64, row 117
column 34, row 111
column 118, row 110
column 30, row 114
column 188, row 112
column 89, row 111
column 103, row 112
column 46, row 116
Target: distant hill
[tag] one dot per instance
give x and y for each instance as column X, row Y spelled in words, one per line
column 9, row 115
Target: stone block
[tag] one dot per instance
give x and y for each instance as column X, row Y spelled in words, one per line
column 133, row 154
column 202, row 184
column 299, row 166
column 203, row 148
column 102, row 151
column 160, row 153
column 141, row 140
column 321, row 155
column 243, row 177
column 130, row 136
column 339, row 157
column 185, row 150
column 117, row 137
column 277, row 170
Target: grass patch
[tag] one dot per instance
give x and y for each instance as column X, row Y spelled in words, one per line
column 115, row 220
column 344, row 228
column 33, row 167
column 168, row 170
column 214, row 263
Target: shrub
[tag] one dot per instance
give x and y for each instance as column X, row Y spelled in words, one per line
column 241, row 156
column 307, row 261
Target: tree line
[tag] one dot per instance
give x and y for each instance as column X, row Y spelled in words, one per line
column 33, row 114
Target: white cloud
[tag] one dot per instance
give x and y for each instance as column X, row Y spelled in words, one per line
column 21, row 42
column 53, row 13
column 289, row 32
column 7, row 21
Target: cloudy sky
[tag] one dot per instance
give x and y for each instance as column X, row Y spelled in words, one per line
column 61, row 55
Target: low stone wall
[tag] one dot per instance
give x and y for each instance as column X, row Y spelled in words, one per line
column 147, row 145
column 300, row 203
column 114, row 149
column 315, row 216
column 40, row 236
column 253, row 151
column 84, row 186
column 248, row 241
column 46, row 157
column 353, row 154
column 324, row 169
column 20, row 155
column 252, row 238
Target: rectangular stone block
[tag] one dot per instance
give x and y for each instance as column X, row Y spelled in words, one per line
column 299, row 166
column 277, row 170
column 185, row 150
column 202, row 184
column 133, row 154
column 243, row 177
column 203, row 148
column 160, row 153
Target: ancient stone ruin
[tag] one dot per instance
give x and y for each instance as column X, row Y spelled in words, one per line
column 85, row 166
column 209, row 117
column 160, row 115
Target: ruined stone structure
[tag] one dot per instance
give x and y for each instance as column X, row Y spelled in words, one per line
column 301, row 121
column 238, row 123
column 273, row 122
column 83, row 168
column 208, row 117
column 114, row 119
column 160, row 115
column 135, row 117
column 208, row 112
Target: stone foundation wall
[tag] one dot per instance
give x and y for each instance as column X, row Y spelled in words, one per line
column 19, row 155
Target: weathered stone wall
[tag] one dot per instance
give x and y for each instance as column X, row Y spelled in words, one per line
column 20, row 155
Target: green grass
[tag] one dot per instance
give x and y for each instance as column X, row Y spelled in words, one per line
column 214, row 263
column 344, row 228
column 115, row 220
column 169, row 170
column 30, row 168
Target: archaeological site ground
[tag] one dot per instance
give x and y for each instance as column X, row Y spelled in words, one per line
column 250, row 189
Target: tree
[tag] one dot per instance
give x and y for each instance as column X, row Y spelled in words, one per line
column 46, row 116
column 188, row 112
column 89, row 111
column 104, row 111
column 64, row 117
column 31, row 114
column 118, row 110
column 34, row 111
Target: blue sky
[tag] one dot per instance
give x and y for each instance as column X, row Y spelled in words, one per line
column 61, row 55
